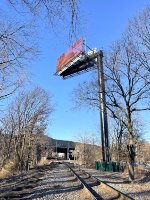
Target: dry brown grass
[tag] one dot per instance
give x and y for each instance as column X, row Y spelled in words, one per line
column 8, row 169
column 43, row 161
column 4, row 173
column 84, row 193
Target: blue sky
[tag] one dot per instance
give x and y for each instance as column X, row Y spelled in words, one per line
column 103, row 21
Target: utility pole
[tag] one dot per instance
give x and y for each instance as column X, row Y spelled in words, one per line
column 103, row 112
column 56, row 151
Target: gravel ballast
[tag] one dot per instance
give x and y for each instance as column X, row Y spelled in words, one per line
column 139, row 190
column 56, row 181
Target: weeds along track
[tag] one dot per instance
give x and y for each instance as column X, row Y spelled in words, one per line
column 59, row 180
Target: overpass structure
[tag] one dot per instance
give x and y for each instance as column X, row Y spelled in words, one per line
column 63, row 149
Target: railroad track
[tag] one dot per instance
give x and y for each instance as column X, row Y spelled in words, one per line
column 59, row 180
column 97, row 193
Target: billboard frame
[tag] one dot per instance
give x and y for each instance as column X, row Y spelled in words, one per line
column 70, row 55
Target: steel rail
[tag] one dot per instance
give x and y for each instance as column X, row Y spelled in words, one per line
column 121, row 194
column 95, row 195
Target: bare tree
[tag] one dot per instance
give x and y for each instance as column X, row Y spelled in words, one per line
column 87, row 149
column 16, row 49
column 27, row 117
column 143, row 152
column 119, row 138
column 139, row 33
column 118, row 142
column 127, row 87
column 127, row 90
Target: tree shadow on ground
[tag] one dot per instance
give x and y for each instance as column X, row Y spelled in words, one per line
column 140, row 194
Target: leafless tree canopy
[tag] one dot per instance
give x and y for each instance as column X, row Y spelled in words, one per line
column 139, row 32
column 127, row 80
column 25, row 121
column 86, row 95
column 16, row 49
column 52, row 11
column 83, row 153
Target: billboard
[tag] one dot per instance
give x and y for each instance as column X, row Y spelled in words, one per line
column 75, row 50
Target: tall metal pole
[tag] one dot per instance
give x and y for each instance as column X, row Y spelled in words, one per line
column 56, row 151
column 103, row 112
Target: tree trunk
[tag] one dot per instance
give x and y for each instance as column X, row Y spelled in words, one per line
column 131, row 150
column 131, row 158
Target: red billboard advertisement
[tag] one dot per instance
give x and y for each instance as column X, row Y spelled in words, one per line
column 70, row 54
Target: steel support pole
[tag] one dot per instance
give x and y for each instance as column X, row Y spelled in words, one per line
column 68, row 151
column 103, row 112
column 56, row 151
